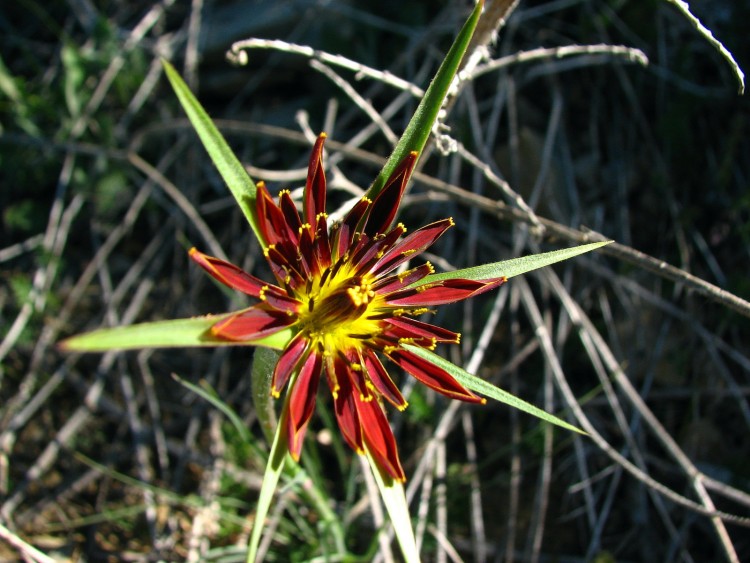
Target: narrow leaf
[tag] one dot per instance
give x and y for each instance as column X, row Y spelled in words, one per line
column 273, row 472
column 228, row 165
column 264, row 362
column 488, row 389
column 514, row 266
column 164, row 334
column 418, row 130
column 207, row 393
column 392, row 493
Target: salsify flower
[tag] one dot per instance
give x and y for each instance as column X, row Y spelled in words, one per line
column 339, row 290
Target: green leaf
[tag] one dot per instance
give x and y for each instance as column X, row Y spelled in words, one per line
column 230, row 168
column 274, row 469
column 206, row 392
column 514, row 266
column 392, row 493
column 418, row 130
column 264, row 362
column 164, row 334
column 488, row 389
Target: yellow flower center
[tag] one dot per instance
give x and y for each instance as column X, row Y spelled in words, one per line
column 338, row 307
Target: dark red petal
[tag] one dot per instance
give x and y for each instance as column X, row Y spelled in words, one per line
column 287, row 363
column 379, row 437
column 285, row 271
column 228, row 274
column 302, row 403
column 433, row 376
column 252, row 324
column 369, row 254
column 291, row 215
column 271, row 219
column 322, row 245
column 438, row 293
column 315, row 187
column 278, row 299
column 344, row 405
column 345, row 231
column 402, row 280
column 412, row 245
column 406, row 327
column 307, row 260
column 356, row 373
column 385, row 205
column 381, row 380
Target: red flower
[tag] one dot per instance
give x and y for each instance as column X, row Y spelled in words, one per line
column 339, row 290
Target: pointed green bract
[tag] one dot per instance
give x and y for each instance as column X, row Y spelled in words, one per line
column 514, row 266
column 418, row 130
column 176, row 333
column 488, row 389
column 228, row 165
column 392, row 493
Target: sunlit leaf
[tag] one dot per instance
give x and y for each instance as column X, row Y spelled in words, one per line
column 394, row 499
column 274, row 469
column 228, row 165
column 488, row 389
column 514, row 266
column 164, row 334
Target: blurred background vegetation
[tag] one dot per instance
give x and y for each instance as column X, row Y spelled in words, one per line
column 104, row 187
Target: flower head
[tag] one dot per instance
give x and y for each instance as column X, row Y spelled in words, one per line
column 339, row 289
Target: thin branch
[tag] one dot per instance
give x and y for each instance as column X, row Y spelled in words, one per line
column 684, row 9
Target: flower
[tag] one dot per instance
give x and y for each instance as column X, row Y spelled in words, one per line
column 339, row 291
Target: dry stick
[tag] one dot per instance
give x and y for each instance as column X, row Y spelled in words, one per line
column 514, row 496
column 182, row 202
column 22, row 400
column 50, row 331
column 571, row 401
column 238, row 55
column 358, row 100
column 684, row 9
column 695, row 476
column 625, row 253
column 55, row 238
column 105, row 82
column 626, row 431
column 80, row 417
column 423, row 509
column 444, row 544
column 630, row 54
column 204, row 523
column 478, row 535
column 441, row 503
column 29, row 552
column 541, row 503
column 668, row 307
column 16, row 250
column 152, row 402
column 191, row 47
column 580, row 319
